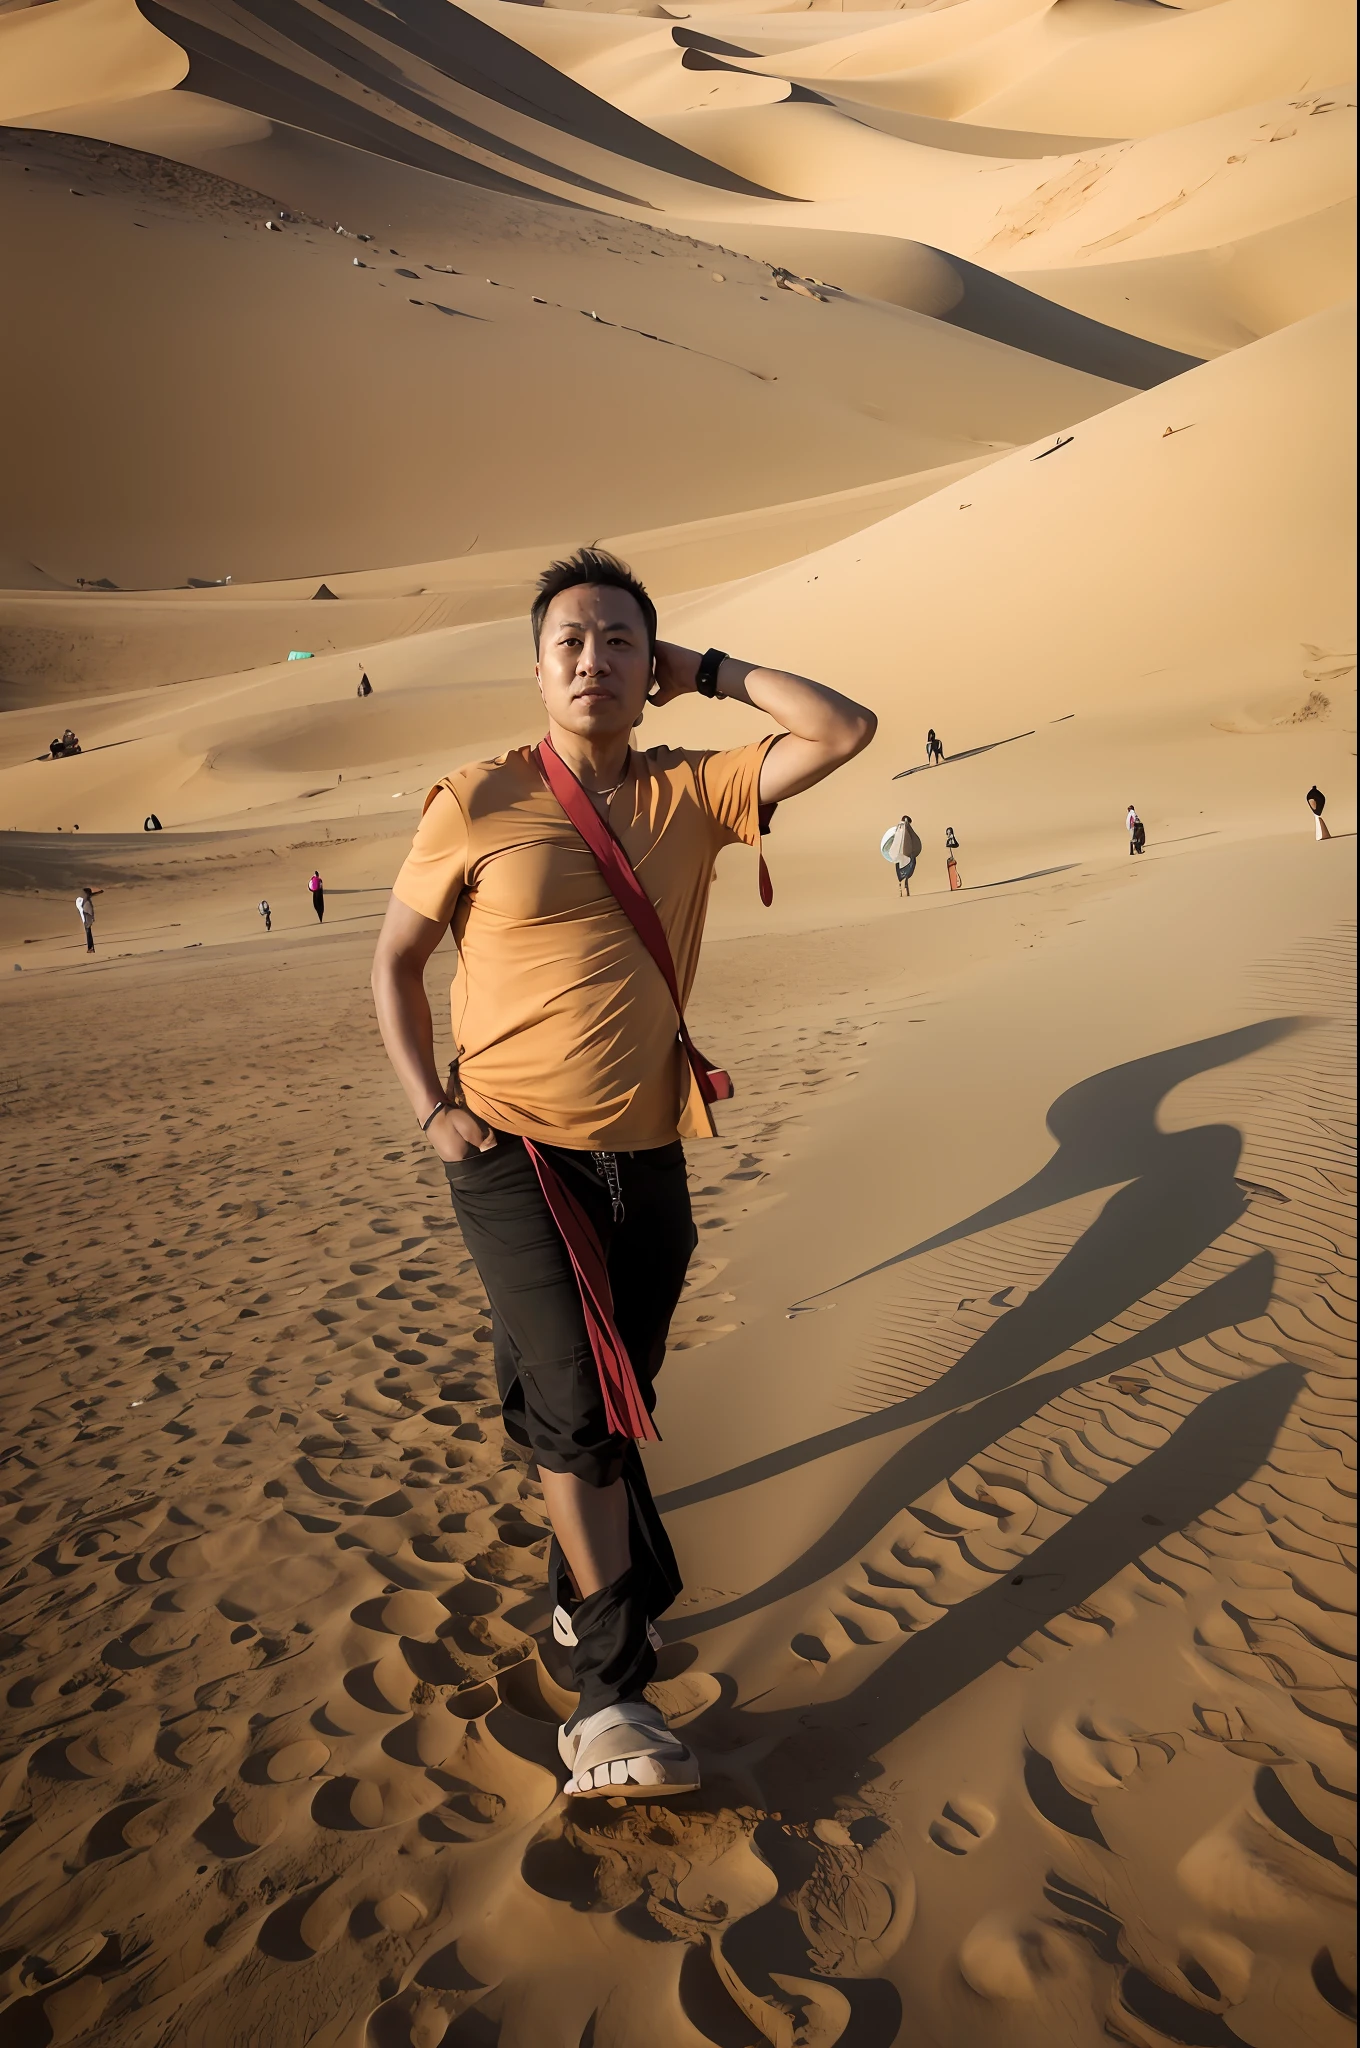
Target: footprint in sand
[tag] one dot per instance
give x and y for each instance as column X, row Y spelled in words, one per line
column 961, row 1824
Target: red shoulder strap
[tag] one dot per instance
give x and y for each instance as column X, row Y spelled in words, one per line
column 632, row 899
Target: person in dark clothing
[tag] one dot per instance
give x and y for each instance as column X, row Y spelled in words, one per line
column 934, row 749
column 151, row 823
column 318, row 889
column 365, row 688
column 1317, row 803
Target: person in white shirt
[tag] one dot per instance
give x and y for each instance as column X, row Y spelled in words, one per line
column 85, row 909
column 903, row 850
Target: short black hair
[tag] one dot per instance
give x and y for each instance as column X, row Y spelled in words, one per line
column 590, row 566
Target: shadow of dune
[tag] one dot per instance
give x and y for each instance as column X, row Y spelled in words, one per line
column 1004, row 310
column 957, row 1437
column 394, row 47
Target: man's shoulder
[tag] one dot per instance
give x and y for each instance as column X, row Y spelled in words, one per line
column 677, row 764
column 485, row 786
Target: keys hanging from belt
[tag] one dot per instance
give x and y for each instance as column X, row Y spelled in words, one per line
column 607, row 1167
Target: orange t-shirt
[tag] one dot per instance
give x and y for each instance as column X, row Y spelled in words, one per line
column 565, row 1027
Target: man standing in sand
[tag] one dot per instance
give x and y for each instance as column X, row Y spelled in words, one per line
column 85, row 912
column 318, row 894
column 560, row 869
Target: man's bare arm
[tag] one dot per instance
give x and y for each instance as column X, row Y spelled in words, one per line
column 823, row 729
column 405, row 944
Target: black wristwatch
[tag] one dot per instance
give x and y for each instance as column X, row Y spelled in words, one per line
column 706, row 675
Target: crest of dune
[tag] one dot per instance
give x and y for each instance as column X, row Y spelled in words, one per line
column 81, row 52
column 994, row 363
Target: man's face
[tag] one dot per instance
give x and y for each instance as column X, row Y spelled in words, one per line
column 594, row 666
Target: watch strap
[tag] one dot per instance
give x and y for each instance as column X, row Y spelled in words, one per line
column 706, row 675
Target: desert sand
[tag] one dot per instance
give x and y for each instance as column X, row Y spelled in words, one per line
column 994, row 362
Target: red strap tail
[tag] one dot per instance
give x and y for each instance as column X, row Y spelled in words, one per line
column 625, row 1410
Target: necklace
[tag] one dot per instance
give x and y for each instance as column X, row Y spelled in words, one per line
column 607, row 796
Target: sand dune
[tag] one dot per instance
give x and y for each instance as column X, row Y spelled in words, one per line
column 78, row 52
column 1247, row 609
column 996, row 363
column 54, row 648
column 1091, row 70
column 751, row 384
column 1220, row 167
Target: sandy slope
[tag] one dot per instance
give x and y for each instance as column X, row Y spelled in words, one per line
column 193, row 456
column 1213, row 612
column 275, row 1666
column 1008, row 1427
column 54, row 646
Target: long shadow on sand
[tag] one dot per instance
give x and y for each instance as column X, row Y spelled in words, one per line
column 1217, row 1449
column 963, row 1434
column 1107, row 1131
column 822, row 1751
column 1180, row 1195
column 968, row 754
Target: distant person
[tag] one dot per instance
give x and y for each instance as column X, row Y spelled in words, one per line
column 365, row 688
column 901, row 845
column 69, row 743
column 56, row 750
column 151, row 823
column 1317, row 803
column 1139, row 835
column 951, row 866
column 266, row 913
column 1134, row 825
column 934, row 749
column 318, row 889
column 951, row 844
column 85, row 911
